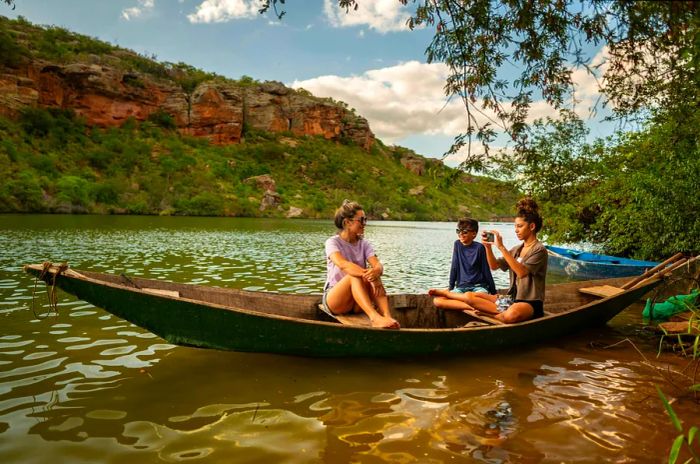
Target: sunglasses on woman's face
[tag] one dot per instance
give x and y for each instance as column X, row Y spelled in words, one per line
column 362, row 220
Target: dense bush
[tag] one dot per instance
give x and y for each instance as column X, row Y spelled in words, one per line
column 162, row 119
column 636, row 195
column 23, row 193
column 73, row 190
column 61, row 125
column 203, row 204
column 188, row 77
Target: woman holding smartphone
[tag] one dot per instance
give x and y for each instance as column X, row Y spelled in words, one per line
column 527, row 265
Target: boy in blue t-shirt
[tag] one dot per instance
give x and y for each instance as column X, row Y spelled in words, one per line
column 470, row 270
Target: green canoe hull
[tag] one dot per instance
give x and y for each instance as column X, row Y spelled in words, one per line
column 291, row 324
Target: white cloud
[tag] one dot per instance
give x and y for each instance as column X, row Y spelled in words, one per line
column 398, row 101
column 587, row 85
column 380, row 15
column 408, row 99
column 219, row 11
column 144, row 6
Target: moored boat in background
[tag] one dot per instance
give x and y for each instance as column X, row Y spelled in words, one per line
column 582, row 265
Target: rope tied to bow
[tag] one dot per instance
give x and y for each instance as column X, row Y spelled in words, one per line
column 50, row 279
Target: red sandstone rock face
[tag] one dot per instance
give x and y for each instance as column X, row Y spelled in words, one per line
column 107, row 96
column 273, row 107
column 216, row 112
column 103, row 96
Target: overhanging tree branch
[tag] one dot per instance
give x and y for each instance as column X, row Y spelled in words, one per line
column 653, row 56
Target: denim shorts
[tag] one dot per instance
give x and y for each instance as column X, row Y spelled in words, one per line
column 503, row 302
column 471, row 288
column 324, row 304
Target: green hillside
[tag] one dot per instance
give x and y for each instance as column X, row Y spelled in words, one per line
column 52, row 161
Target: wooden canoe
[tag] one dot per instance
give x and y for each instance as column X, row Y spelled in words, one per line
column 230, row 319
column 581, row 265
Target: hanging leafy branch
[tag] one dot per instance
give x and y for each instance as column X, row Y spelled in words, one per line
column 652, row 62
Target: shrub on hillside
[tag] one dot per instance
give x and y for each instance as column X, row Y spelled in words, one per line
column 24, row 193
column 203, row 204
column 162, row 119
column 188, row 77
column 53, row 44
column 106, row 193
column 11, row 52
column 73, row 190
column 61, row 125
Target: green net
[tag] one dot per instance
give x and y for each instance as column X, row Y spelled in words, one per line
column 673, row 305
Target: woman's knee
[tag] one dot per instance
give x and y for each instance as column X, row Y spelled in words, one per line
column 354, row 281
column 517, row 312
column 339, row 299
column 510, row 317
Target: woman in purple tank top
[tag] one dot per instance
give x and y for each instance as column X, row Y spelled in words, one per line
column 352, row 285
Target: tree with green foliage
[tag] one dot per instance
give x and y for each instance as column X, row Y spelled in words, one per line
column 636, row 195
column 652, row 47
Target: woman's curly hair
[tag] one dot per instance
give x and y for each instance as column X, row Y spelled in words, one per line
column 529, row 211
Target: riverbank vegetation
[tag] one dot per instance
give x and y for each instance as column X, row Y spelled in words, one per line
column 635, row 194
column 51, row 161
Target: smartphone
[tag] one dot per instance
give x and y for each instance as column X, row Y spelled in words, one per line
column 489, row 237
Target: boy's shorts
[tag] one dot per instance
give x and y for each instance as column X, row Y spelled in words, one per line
column 503, row 302
column 471, row 288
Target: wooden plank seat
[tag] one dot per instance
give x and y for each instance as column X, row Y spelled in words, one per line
column 359, row 319
column 483, row 317
column 603, row 291
column 356, row 319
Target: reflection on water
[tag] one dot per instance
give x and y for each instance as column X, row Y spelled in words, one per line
column 85, row 386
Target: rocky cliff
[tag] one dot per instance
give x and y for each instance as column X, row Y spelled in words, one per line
column 217, row 109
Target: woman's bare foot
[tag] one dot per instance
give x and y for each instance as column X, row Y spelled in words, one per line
column 385, row 322
column 437, row 292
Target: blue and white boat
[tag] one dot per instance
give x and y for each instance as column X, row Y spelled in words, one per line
column 582, row 265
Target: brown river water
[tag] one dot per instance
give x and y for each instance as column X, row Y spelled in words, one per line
column 86, row 386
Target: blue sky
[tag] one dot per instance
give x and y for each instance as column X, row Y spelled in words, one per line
column 367, row 58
